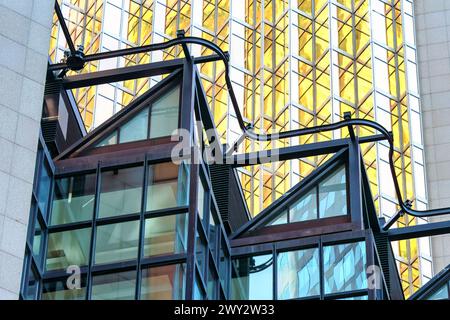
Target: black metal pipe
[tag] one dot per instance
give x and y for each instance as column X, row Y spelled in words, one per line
column 64, row 28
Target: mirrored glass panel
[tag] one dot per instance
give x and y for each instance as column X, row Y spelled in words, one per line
column 44, row 186
column 59, row 290
column 305, row 208
column 298, row 274
column 121, row 192
column 333, row 195
column 117, row 242
column 164, row 283
column 114, row 286
column 345, row 267
column 280, row 219
column 252, row 278
column 135, row 129
column 165, row 235
column 164, row 114
column 68, row 248
column 167, row 186
column 73, row 199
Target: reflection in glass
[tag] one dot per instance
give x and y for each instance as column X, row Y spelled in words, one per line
column 305, row 208
column 164, row 114
column 73, row 199
column 44, row 186
column 200, row 252
column 58, row 290
column 280, row 219
column 165, row 235
column 212, row 282
column 109, row 140
column 164, row 283
column 121, row 192
column 117, row 242
column 298, row 274
column 135, row 129
column 355, row 298
column 68, row 248
column 344, row 267
column 114, row 286
column 333, row 195
column 167, row 186
column 201, row 198
column 439, row 294
column 252, row 278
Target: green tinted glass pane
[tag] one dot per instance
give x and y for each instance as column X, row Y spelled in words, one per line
column 73, row 199
column 68, row 248
column 167, row 186
column 121, row 192
column 164, row 283
column 333, row 195
column 109, row 140
column 135, row 129
column 58, row 290
column 165, row 235
column 439, row 294
column 252, row 278
column 305, row 208
column 345, row 267
column 164, row 114
column 117, row 242
column 298, row 274
column 115, row 286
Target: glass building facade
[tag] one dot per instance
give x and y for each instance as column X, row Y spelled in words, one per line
column 294, row 64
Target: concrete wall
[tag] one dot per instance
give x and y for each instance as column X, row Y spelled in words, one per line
column 433, row 38
column 24, row 40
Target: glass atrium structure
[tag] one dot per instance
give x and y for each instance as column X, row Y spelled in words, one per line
column 294, row 64
column 116, row 214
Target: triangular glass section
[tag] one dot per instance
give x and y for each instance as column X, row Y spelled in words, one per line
column 326, row 198
column 158, row 119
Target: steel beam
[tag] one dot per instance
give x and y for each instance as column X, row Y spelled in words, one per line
column 418, row 231
column 294, row 152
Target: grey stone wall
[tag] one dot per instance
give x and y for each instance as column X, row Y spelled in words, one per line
column 24, row 40
column 433, row 38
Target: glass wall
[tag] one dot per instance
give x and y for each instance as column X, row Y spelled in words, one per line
column 298, row 273
column 159, row 119
column 325, row 200
column 115, row 237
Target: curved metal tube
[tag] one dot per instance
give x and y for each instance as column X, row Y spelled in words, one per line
column 248, row 131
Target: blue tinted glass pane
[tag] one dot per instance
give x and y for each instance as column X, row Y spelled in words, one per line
column 44, row 187
column 164, row 114
column 355, row 298
column 109, row 140
column 298, row 274
column 68, row 248
column 252, row 278
column 305, row 208
column 121, row 192
column 440, row 294
column 280, row 219
column 345, row 267
column 135, row 129
column 333, row 195
column 73, row 199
